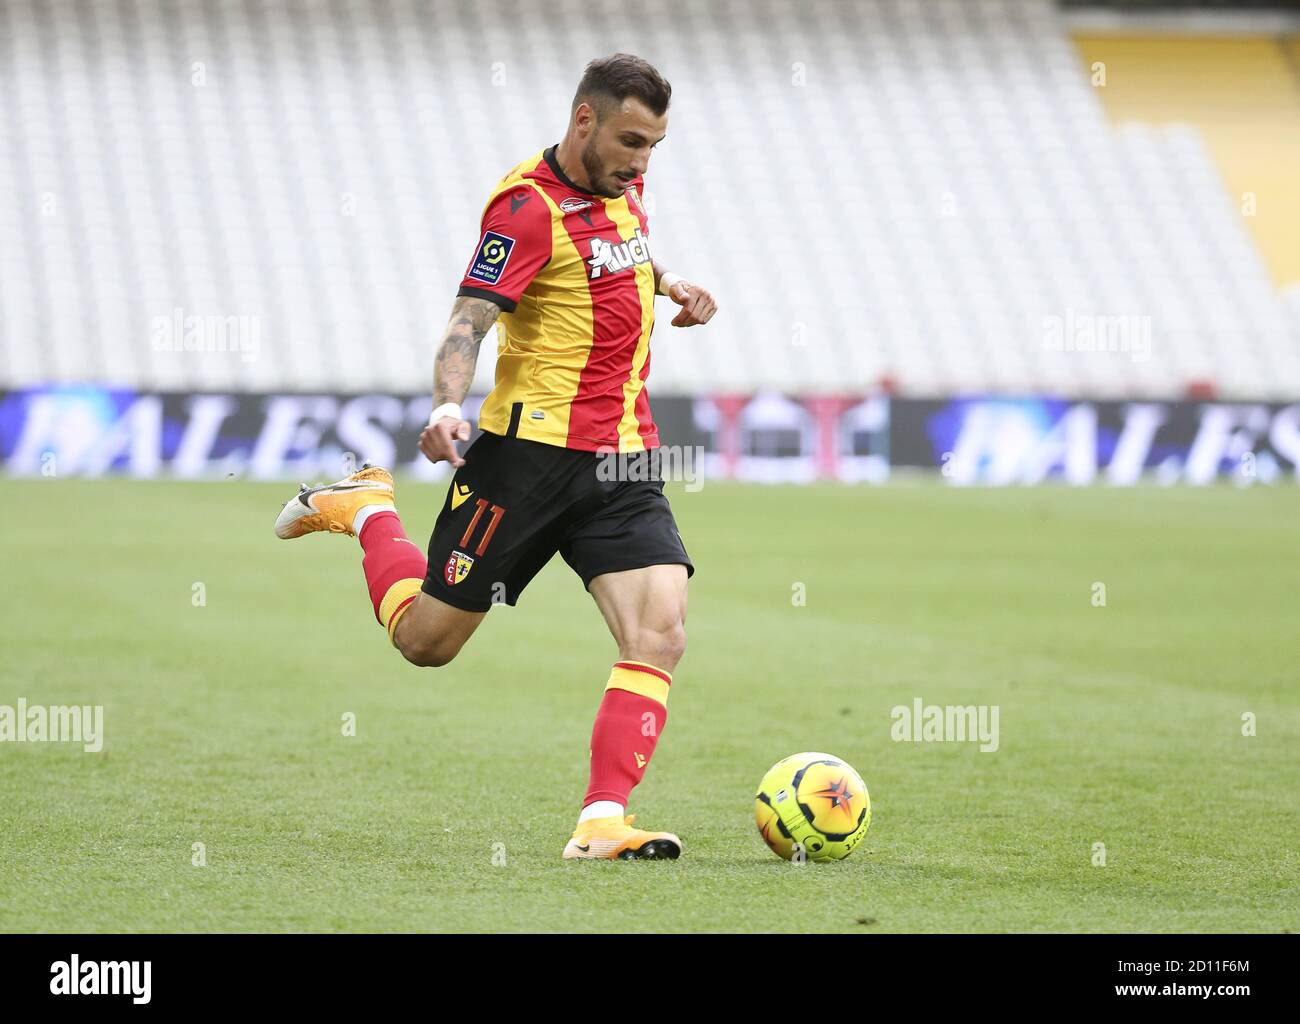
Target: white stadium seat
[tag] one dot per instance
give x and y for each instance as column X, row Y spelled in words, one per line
column 881, row 189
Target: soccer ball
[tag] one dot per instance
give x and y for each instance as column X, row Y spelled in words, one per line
column 812, row 806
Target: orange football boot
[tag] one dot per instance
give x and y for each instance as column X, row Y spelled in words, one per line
column 614, row 838
column 333, row 506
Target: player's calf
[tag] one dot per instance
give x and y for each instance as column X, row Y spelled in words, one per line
column 645, row 610
column 431, row 632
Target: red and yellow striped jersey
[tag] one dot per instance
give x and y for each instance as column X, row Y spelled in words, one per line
column 571, row 272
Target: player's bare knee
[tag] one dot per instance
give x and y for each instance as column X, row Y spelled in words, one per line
column 439, row 656
column 425, row 651
column 431, row 655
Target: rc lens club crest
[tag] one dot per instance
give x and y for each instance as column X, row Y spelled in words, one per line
column 457, row 567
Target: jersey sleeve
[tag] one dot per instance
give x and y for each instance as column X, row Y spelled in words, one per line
column 514, row 245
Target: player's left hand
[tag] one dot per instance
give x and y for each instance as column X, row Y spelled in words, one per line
column 697, row 304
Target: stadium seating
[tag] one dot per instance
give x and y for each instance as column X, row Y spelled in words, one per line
column 881, row 189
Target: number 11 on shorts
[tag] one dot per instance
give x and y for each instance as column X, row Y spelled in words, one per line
column 481, row 507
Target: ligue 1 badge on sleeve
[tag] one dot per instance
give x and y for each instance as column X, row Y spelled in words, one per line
column 493, row 254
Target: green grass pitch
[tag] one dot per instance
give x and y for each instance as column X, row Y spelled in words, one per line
column 448, row 809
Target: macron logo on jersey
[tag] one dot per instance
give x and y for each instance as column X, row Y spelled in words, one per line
column 490, row 261
column 610, row 257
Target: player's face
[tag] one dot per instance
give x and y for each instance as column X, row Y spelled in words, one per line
column 618, row 148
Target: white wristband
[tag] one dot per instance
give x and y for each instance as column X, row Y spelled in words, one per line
column 446, row 409
column 667, row 281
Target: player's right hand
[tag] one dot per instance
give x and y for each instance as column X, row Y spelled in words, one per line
column 438, row 440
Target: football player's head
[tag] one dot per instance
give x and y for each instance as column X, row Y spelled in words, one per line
column 620, row 113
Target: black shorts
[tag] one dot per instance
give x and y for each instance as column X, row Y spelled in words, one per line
column 515, row 503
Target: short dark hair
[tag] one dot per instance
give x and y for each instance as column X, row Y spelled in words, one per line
column 608, row 81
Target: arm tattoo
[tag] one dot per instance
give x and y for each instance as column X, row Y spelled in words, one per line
column 453, row 369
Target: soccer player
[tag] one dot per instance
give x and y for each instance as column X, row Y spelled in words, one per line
column 563, row 267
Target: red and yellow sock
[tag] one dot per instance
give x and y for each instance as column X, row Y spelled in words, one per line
column 631, row 716
column 394, row 566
